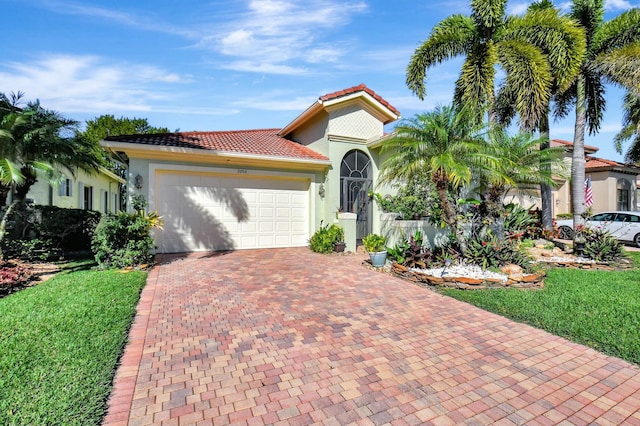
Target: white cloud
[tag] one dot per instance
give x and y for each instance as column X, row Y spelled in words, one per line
column 617, row 5
column 68, row 83
column 517, row 8
column 282, row 36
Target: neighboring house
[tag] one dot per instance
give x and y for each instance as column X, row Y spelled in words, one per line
column 262, row 188
column 613, row 184
column 99, row 191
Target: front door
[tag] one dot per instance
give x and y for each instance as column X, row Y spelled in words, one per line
column 355, row 183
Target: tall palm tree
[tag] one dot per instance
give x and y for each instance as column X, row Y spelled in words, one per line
column 562, row 40
column 488, row 38
column 442, row 144
column 613, row 54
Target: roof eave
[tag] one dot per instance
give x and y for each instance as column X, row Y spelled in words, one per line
column 224, row 156
column 299, row 120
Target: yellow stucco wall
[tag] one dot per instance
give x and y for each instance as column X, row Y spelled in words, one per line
column 100, row 184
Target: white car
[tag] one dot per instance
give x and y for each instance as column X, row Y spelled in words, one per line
column 624, row 226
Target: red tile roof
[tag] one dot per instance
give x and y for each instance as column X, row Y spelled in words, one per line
column 258, row 142
column 593, row 162
column 560, row 142
column 360, row 88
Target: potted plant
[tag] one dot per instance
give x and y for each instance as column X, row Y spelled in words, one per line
column 374, row 244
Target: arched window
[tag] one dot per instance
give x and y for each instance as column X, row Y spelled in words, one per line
column 356, row 164
column 355, row 182
column 623, row 194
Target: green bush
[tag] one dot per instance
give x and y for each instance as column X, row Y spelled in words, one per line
column 123, row 240
column 564, row 216
column 44, row 232
column 325, row 238
column 601, row 246
column 489, row 252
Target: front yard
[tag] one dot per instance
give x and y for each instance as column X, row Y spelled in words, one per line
column 60, row 342
column 600, row 309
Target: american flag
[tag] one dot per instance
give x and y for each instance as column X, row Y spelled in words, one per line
column 588, row 193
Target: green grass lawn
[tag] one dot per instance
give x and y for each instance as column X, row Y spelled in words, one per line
column 59, row 345
column 599, row 309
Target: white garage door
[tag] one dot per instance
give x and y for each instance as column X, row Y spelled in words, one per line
column 211, row 212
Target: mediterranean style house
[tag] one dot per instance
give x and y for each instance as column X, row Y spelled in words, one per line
column 613, row 184
column 99, row 191
column 266, row 188
column 262, row 188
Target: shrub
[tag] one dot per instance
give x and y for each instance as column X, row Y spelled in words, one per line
column 44, row 232
column 564, row 216
column 12, row 276
column 411, row 253
column 601, row 246
column 325, row 238
column 489, row 252
column 123, row 240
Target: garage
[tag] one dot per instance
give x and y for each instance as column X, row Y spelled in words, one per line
column 215, row 211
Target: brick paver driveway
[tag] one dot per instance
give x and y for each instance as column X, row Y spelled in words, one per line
column 290, row 337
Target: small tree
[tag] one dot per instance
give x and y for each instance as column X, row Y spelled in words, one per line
column 443, row 145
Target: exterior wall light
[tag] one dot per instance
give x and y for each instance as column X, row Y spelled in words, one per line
column 321, row 190
column 138, row 181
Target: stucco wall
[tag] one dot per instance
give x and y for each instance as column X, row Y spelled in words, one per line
column 42, row 193
column 352, row 121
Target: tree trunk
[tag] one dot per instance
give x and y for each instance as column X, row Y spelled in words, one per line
column 29, row 180
column 4, row 193
column 450, row 215
column 577, row 159
column 3, row 226
column 545, row 189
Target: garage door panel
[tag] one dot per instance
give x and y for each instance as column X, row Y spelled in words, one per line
column 211, row 212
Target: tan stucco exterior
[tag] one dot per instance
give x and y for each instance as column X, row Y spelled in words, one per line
column 104, row 187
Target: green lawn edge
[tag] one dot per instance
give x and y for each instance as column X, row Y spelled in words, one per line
column 60, row 344
column 599, row 309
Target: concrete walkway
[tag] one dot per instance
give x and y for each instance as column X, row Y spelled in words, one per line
column 287, row 336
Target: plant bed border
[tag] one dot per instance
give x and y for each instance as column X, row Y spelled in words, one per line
column 525, row 281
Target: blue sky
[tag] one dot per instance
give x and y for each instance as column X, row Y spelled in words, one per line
column 231, row 64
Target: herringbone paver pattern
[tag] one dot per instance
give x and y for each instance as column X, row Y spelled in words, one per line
column 290, row 337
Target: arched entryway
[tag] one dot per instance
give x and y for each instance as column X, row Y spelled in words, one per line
column 355, row 183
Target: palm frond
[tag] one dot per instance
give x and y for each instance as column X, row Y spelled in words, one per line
column 475, row 86
column 451, row 37
column 529, row 74
column 617, row 32
column 562, row 39
column 621, row 66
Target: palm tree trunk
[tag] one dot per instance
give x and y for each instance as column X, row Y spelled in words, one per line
column 29, row 180
column 3, row 226
column 577, row 159
column 545, row 189
column 450, row 216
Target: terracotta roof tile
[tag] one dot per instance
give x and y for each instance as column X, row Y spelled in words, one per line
column 560, row 142
column 360, row 88
column 593, row 162
column 258, row 142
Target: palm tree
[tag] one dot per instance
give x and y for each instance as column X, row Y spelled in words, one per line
column 562, row 40
column 39, row 142
column 488, row 38
column 630, row 128
column 613, row 52
column 517, row 164
column 442, row 144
